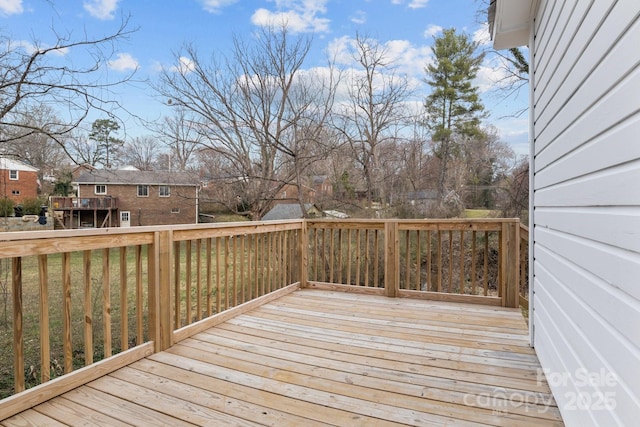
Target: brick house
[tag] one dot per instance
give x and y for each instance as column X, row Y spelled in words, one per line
column 18, row 180
column 135, row 198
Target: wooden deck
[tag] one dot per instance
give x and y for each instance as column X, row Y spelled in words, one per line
column 317, row 357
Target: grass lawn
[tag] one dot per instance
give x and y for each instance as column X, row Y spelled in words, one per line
column 479, row 213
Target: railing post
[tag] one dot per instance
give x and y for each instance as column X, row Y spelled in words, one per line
column 303, row 254
column 160, row 319
column 510, row 263
column 391, row 259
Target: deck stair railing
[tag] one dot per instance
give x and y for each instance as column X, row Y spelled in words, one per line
column 77, row 304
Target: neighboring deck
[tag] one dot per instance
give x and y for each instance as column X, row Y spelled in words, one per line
column 316, row 357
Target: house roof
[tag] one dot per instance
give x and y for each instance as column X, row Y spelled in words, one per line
column 130, row 177
column 509, row 22
column 15, row 165
column 287, row 211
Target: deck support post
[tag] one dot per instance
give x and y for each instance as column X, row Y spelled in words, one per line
column 392, row 259
column 510, row 263
column 160, row 320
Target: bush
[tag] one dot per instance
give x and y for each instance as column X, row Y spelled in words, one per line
column 32, row 206
column 6, row 207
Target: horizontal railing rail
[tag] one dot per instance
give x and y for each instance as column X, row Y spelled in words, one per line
column 74, row 299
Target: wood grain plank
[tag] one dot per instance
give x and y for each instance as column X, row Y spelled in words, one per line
column 31, row 418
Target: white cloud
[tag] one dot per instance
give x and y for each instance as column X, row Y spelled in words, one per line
column 185, row 66
column 359, row 17
column 413, row 4
column 11, row 7
column 101, row 9
column 298, row 15
column 216, row 6
column 481, row 35
column 432, row 30
column 418, row 4
column 123, row 62
column 405, row 57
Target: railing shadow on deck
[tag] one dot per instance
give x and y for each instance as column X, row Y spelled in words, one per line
column 96, row 300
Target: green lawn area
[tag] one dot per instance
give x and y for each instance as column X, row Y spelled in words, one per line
column 479, row 213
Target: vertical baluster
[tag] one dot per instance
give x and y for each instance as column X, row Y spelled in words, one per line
column 486, row 263
column 88, row 308
column 124, row 306
column 106, row 304
column 418, row 260
column 139, row 297
column 366, row 257
column 358, row 257
column 18, row 338
column 45, row 351
column 340, row 264
column 473, row 262
column 376, row 253
column 450, row 281
column 407, row 266
column 226, row 272
column 208, row 269
column 462, row 252
column 218, row 272
column 439, row 257
column 187, row 281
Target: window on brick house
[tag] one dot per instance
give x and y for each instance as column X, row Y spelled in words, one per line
column 175, row 210
column 13, row 175
column 100, row 189
column 15, row 192
column 143, row 191
column 164, row 191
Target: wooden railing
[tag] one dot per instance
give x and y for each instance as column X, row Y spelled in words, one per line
column 84, row 202
column 81, row 303
column 455, row 260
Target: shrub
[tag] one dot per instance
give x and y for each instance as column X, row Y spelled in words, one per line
column 32, row 206
column 6, row 207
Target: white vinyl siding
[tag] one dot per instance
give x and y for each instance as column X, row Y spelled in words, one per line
column 586, row 307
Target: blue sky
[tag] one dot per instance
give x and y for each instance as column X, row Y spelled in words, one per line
column 406, row 27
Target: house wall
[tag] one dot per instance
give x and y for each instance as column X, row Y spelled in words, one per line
column 586, row 181
column 26, row 185
column 151, row 210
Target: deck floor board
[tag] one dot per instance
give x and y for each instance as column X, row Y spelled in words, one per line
column 327, row 358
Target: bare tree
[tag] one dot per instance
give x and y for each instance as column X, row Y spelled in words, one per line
column 83, row 150
column 31, row 77
column 250, row 108
column 181, row 136
column 375, row 108
column 141, row 152
column 37, row 149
